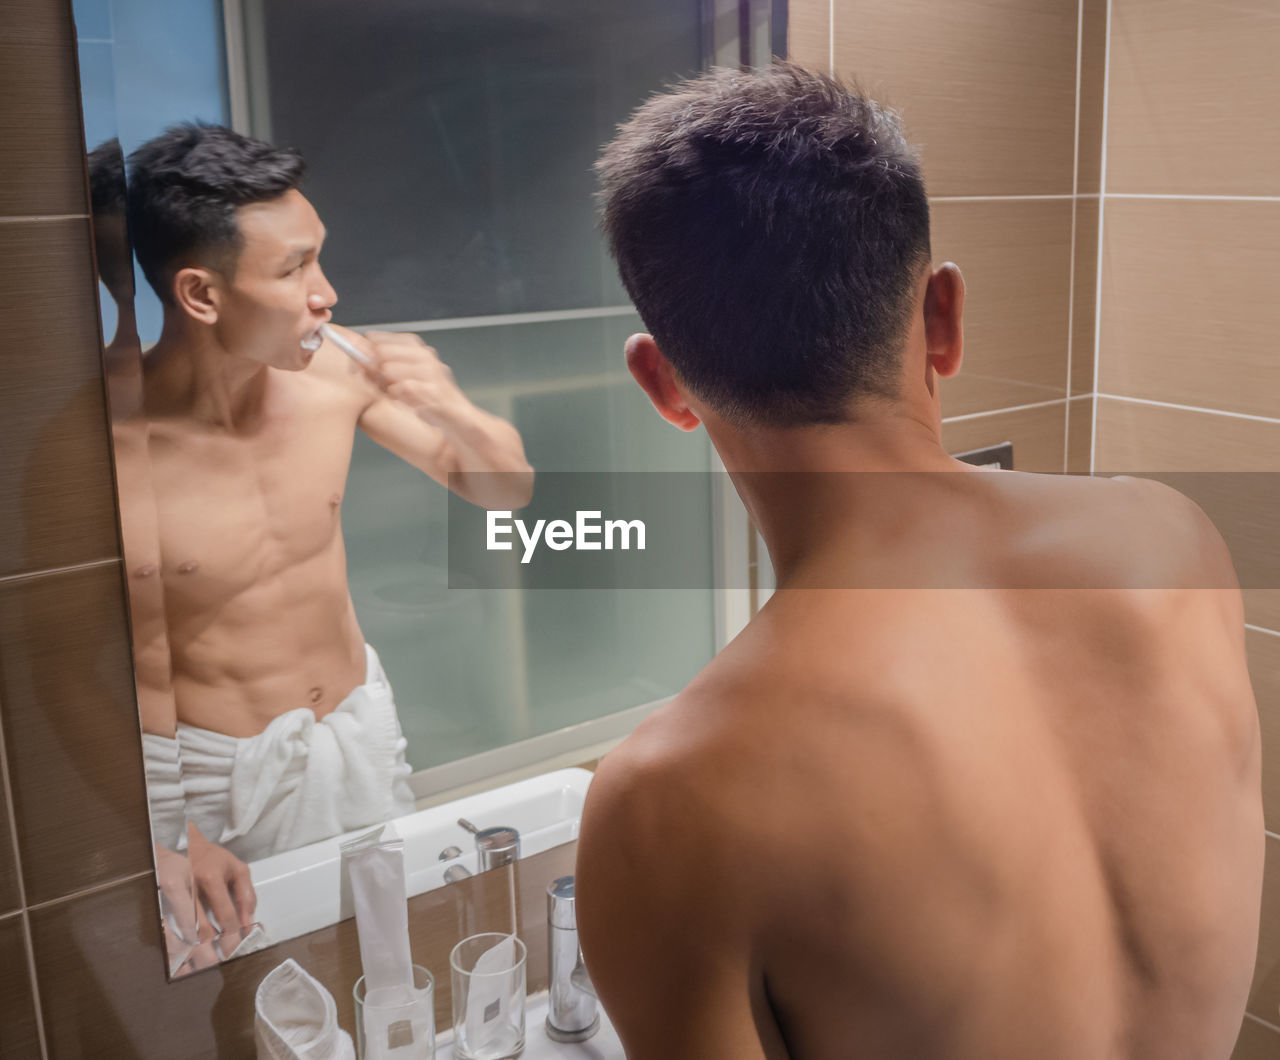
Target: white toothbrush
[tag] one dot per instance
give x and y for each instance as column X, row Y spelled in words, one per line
column 345, row 346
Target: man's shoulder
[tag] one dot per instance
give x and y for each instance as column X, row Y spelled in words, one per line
column 1121, row 533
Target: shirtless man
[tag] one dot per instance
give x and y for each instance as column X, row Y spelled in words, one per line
column 285, row 720
column 1002, row 821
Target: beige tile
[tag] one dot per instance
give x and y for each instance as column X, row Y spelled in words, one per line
column 809, row 33
column 1093, row 57
column 1084, row 298
column 1015, row 257
column 1256, row 1042
column 1189, row 313
column 1194, row 105
column 988, row 90
column 57, row 505
column 19, row 1036
column 1079, row 435
column 1036, row 434
column 1136, row 437
column 71, row 726
column 104, row 992
column 1264, row 997
column 42, row 167
column 1264, row 672
column 1139, row 439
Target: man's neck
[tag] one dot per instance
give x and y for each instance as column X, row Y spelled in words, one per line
column 809, row 487
column 195, row 376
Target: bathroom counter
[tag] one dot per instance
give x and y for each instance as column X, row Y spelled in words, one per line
column 603, row 1045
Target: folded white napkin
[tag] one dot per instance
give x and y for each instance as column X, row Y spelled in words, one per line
column 295, row 1018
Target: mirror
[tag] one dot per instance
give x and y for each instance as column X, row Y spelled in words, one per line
column 305, row 665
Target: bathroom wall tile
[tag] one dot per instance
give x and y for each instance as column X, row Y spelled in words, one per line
column 19, row 1036
column 988, row 90
column 1140, row 438
column 1264, row 672
column 1036, row 434
column 1093, row 57
column 10, row 898
column 57, row 506
column 1264, row 997
column 70, row 711
column 1084, row 295
column 1189, row 313
column 42, row 168
column 1256, row 1042
column 809, row 33
column 1194, row 106
column 1015, row 257
column 104, row 992
column 1079, row 434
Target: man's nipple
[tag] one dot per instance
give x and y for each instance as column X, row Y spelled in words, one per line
column 145, row 571
column 189, row 567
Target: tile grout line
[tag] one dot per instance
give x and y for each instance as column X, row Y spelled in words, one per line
column 1102, row 212
column 1262, row 629
column 1259, row 1019
column 12, row 579
column 85, row 892
column 25, row 912
column 1189, row 408
column 1010, row 408
column 44, row 217
column 1071, row 277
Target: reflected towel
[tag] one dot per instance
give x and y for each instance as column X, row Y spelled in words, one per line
column 295, row 1016
column 164, row 791
column 299, row 780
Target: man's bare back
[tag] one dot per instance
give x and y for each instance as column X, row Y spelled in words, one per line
column 975, row 823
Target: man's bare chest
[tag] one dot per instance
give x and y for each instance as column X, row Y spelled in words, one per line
column 236, row 509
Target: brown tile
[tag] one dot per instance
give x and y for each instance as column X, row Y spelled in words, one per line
column 1138, row 438
column 1016, row 260
column 1256, row 1042
column 56, row 494
column 10, row 897
column 42, row 168
column 1084, row 296
column 1193, row 102
column 988, row 91
column 71, row 727
column 104, row 992
column 1037, row 435
column 1093, row 58
column 809, row 33
column 19, row 1036
column 1079, row 434
column 1189, row 313
column 1264, row 672
column 1264, row 998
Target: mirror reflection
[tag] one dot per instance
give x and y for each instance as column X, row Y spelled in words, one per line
column 363, row 277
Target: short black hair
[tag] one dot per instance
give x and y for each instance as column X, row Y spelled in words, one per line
column 184, row 187
column 770, row 227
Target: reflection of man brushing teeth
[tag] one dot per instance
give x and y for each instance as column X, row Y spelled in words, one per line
column 286, row 725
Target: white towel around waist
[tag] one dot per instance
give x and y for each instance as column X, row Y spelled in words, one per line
column 299, row 780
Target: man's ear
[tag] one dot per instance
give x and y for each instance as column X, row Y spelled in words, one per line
column 943, row 310
column 197, row 293
column 657, row 378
